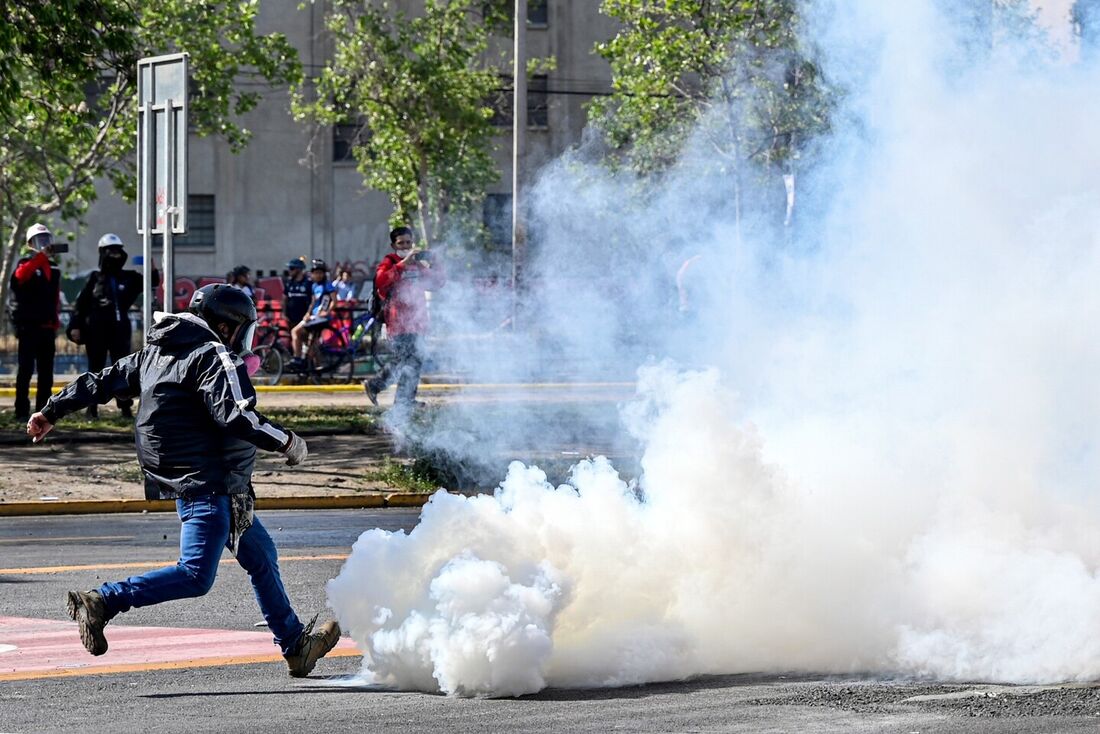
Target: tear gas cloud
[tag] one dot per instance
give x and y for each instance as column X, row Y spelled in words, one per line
column 878, row 451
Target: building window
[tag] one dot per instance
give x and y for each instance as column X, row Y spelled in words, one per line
column 200, row 222
column 501, row 103
column 345, row 137
column 538, row 110
column 497, row 216
column 537, row 14
column 95, row 89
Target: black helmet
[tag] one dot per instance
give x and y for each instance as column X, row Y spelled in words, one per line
column 221, row 303
column 318, row 265
column 296, row 263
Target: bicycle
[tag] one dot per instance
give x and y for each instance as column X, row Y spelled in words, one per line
column 335, row 346
column 271, row 365
column 272, row 346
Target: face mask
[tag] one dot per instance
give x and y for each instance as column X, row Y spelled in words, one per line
column 40, row 240
column 113, row 260
column 251, row 363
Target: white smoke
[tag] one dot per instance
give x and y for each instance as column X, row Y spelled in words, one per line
column 892, row 467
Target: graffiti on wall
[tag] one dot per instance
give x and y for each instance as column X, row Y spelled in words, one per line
column 360, row 270
column 268, row 291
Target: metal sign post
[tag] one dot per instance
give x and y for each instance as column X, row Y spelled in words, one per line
column 162, row 167
column 519, row 142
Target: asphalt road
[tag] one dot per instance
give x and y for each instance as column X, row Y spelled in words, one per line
column 261, row 697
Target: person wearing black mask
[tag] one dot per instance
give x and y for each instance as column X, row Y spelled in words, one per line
column 101, row 317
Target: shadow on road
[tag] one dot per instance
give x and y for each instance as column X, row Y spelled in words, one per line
column 703, row 683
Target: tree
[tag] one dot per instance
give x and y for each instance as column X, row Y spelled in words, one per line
column 55, row 40
column 731, row 71
column 69, row 115
column 418, row 87
column 1016, row 27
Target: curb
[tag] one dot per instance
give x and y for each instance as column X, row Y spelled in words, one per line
column 100, row 507
column 9, row 392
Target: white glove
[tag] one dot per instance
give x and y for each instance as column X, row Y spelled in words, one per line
column 295, row 450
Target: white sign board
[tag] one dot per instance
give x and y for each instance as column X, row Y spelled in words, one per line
column 162, row 144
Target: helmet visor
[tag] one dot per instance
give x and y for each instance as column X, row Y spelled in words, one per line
column 40, row 241
column 245, row 334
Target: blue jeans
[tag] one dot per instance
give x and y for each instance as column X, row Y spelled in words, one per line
column 406, row 361
column 205, row 531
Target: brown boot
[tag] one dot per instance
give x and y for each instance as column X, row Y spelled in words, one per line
column 312, row 646
column 88, row 610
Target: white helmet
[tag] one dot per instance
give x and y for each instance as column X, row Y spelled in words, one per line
column 110, row 240
column 39, row 236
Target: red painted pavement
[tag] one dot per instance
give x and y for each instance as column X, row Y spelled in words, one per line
column 29, row 646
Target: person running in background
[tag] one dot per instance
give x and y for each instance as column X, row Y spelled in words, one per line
column 403, row 279
column 318, row 313
column 36, row 299
column 197, row 432
column 101, row 315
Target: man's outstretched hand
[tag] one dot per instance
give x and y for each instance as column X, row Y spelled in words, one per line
column 38, row 427
column 295, row 450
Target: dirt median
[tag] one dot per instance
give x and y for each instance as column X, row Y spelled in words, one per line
column 476, row 436
column 81, row 470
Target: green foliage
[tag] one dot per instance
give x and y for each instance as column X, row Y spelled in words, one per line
column 731, row 70
column 415, row 478
column 343, row 419
column 419, row 87
column 55, row 41
column 67, row 86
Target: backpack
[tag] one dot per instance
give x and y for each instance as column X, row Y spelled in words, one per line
column 377, row 304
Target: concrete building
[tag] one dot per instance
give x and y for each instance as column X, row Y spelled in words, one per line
column 295, row 189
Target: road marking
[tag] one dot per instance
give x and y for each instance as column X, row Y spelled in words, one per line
column 66, row 540
column 49, row 648
column 36, row 570
column 147, row 667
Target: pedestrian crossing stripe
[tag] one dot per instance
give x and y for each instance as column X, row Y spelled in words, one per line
column 47, row 648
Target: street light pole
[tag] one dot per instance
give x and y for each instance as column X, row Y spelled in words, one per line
column 519, row 134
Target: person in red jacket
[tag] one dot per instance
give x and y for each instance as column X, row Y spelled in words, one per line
column 402, row 280
column 36, row 295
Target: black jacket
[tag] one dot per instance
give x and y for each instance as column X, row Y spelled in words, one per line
column 102, row 304
column 35, row 287
column 197, row 428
